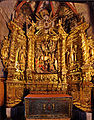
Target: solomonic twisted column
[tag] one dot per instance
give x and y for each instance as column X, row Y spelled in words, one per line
column 31, row 40
column 63, row 44
column 84, row 47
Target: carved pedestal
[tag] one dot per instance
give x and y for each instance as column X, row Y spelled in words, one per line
column 15, row 92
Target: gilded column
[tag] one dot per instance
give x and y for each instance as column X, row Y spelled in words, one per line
column 63, row 59
column 30, row 62
column 71, row 55
column 84, row 46
column 63, row 52
column 75, row 53
column 59, row 56
column 63, row 44
column 85, row 53
column 12, row 53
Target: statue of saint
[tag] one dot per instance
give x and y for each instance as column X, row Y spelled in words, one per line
column 20, row 59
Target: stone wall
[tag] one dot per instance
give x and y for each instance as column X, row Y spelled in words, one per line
column 6, row 9
column 84, row 10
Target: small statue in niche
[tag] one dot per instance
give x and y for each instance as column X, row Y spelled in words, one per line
column 20, row 59
column 21, row 56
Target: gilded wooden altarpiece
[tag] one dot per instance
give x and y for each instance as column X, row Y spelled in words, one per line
column 46, row 57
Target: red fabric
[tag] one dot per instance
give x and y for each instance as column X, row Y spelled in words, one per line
column 39, row 6
column 73, row 9
column 46, row 95
column 20, row 5
column 52, row 7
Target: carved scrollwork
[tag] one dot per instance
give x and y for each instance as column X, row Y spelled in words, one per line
column 5, row 51
column 43, row 57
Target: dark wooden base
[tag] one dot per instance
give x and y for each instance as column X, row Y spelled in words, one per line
column 48, row 106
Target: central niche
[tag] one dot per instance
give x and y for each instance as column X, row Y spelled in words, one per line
column 46, row 56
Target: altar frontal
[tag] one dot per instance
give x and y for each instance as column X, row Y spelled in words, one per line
column 48, row 106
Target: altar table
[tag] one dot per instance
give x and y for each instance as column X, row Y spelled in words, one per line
column 48, row 106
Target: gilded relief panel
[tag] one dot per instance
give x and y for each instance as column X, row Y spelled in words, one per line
column 46, row 56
